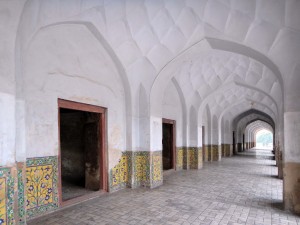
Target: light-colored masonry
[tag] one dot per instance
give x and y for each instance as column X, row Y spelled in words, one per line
column 218, row 71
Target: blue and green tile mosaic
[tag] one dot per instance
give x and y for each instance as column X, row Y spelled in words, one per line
column 21, row 203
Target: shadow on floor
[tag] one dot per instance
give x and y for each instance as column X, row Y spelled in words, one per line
column 277, row 205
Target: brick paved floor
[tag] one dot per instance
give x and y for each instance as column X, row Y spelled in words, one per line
column 237, row 190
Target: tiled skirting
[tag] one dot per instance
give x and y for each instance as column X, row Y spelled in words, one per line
column 189, row 158
column 226, row 150
column 7, row 195
column 135, row 169
column 212, row 152
column 41, row 187
column 34, row 184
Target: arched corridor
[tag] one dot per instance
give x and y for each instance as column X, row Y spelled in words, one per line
column 237, row 190
column 108, row 96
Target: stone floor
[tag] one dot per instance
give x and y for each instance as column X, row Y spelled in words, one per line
column 237, row 190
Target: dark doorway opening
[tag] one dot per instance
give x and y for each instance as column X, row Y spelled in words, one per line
column 233, row 142
column 82, row 155
column 168, row 142
column 244, row 147
column 203, row 143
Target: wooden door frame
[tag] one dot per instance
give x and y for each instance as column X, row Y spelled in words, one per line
column 66, row 104
column 173, row 123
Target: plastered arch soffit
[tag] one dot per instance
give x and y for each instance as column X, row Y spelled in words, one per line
column 240, row 123
column 237, row 108
column 256, row 126
column 259, row 122
column 244, row 105
column 251, row 115
column 243, row 123
column 260, row 38
column 210, row 84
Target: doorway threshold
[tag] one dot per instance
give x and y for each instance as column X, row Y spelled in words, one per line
column 168, row 172
column 82, row 198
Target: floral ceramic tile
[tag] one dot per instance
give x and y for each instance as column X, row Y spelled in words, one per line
column 3, row 219
column 41, row 185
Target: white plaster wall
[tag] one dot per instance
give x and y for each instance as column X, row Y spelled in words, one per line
column 193, row 128
column 7, row 129
column 172, row 109
column 9, row 18
column 143, row 134
column 222, row 132
column 292, row 101
column 215, row 131
column 156, row 133
column 207, row 122
column 200, row 140
column 227, row 133
column 67, row 62
column 291, row 137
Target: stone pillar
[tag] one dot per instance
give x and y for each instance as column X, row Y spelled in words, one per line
column 291, row 166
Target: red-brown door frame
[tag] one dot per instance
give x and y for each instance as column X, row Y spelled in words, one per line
column 173, row 123
column 66, row 104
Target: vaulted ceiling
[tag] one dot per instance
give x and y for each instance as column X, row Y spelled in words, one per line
column 232, row 55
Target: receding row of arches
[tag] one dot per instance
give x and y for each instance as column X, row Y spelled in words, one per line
column 216, row 88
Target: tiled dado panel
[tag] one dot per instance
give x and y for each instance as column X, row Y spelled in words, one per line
column 41, row 185
column 120, row 173
column 193, row 158
column 147, row 169
column 223, row 150
column 189, row 158
column 137, row 169
column 141, row 169
column 179, row 158
column 207, row 149
column 3, row 215
column 215, row 152
column 194, row 155
column 6, row 196
column 12, row 191
column 227, row 150
column 156, row 169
